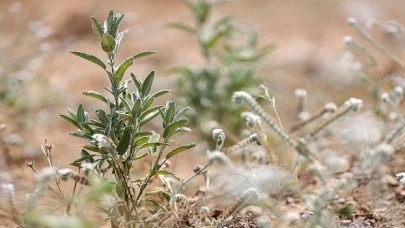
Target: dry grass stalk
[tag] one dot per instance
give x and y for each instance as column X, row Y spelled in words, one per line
column 374, row 43
column 242, row 144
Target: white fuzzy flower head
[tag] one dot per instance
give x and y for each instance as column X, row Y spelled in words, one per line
column 304, row 116
column 8, row 188
column 336, row 163
column 86, row 166
column 383, row 151
column 45, row 175
column 357, row 66
column 64, row 173
column 250, row 118
column 330, row 107
column 354, row 103
column 101, row 141
column 218, row 134
column 385, row 97
column 205, row 210
column 398, row 91
column 251, row 194
column 351, row 20
column 179, row 198
column 300, row 93
column 401, row 178
column 393, row 116
column 35, row 195
column 240, row 96
column 316, row 168
column 348, row 40
column 219, row 157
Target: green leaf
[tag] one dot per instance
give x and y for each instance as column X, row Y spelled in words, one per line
column 125, row 104
column 140, row 157
column 141, row 140
column 102, row 116
column 96, row 95
column 153, row 140
column 89, row 57
column 72, row 113
column 108, row 43
column 100, row 190
column 180, row 113
column 137, row 82
column 143, row 54
column 160, row 93
column 97, row 28
column 83, row 158
column 156, row 204
column 127, row 63
column 151, row 110
column 80, row 114
column 213, row 39
column 179, row 150
column 183, row 27
column 224, row 22
column 116, row 24
column 119, row 37
column 86, row 156
column 110, row 21
column 148, row 117
column 136, row 109
column 80, row 134
column 144, row 133
column 121, row 69
column 164, row 173
column 163, row 115
column 93, row 123
column 124, row 141
column 160, row 192
column 347, row 210
column 147, row 103
column 173, row 127
column 94, row 149
column 201, row 11
column 147, row 84
column 170, row 111
column 70, row 120
column 184, row 129
column 153, row 144
column 126, row 116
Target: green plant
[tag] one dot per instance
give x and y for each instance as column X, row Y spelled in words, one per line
column 231, row 58
column 118, row 138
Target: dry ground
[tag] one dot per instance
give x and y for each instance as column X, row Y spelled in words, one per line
column 308, row 35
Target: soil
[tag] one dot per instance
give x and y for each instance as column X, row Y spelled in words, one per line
column 309, row 40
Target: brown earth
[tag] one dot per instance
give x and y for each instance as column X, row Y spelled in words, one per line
column 308, row 35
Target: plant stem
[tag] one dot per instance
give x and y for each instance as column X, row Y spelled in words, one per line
column 183, row 183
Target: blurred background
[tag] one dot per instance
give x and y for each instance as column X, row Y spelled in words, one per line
column 39, row 79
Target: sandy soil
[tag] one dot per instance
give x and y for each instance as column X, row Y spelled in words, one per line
column 308, row 35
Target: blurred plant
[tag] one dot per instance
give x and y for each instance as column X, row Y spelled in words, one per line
column 25, row 47
column 231, row 58
column 387, row 94
column 118, row 137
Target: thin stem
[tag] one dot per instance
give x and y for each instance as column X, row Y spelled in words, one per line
column 155, row 167
column 183, row 183
column 377, row 45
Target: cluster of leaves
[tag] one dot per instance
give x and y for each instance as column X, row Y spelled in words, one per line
column 230, row 65
column 123, row 124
